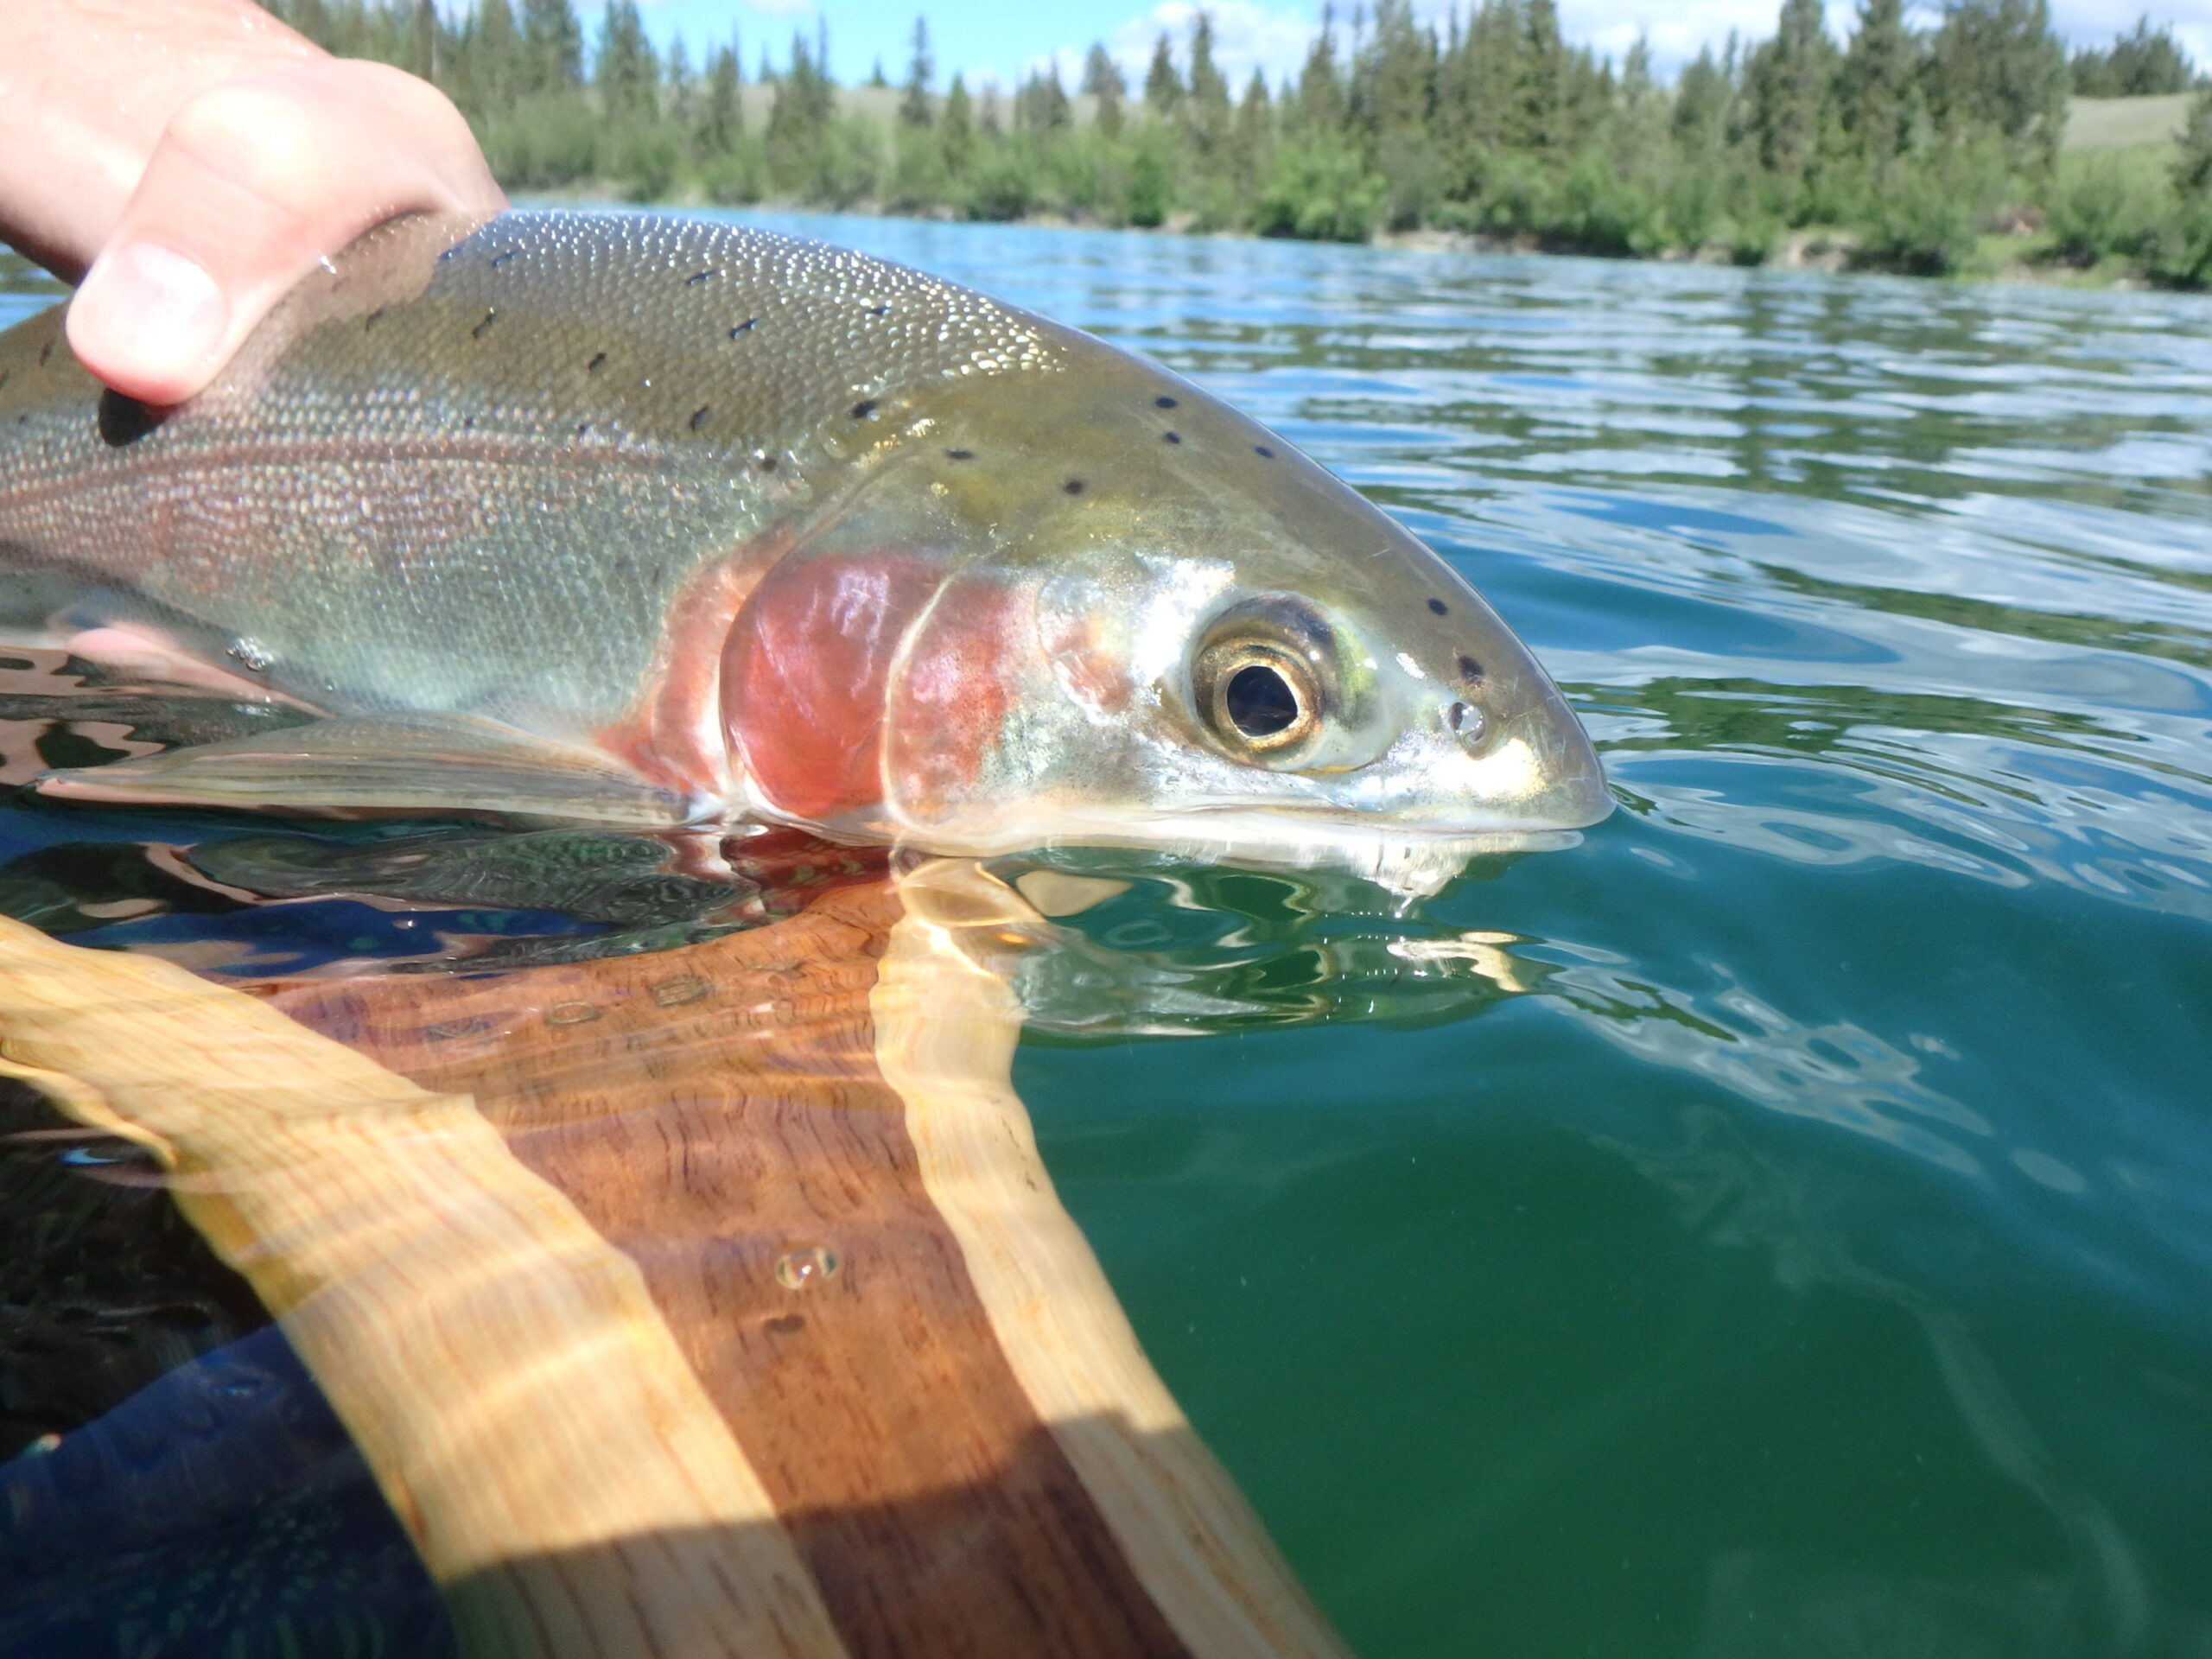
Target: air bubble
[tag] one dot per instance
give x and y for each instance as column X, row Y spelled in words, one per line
column 803, row 1268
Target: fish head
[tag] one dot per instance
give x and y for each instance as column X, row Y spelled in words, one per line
column 1117, row 611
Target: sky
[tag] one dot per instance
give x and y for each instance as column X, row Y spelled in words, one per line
column 992, row 38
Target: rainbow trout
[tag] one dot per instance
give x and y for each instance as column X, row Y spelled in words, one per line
column 632, row 520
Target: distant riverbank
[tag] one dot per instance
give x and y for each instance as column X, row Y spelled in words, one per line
column 1958, row 150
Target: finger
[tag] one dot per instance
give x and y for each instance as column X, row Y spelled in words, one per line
column 253, row 182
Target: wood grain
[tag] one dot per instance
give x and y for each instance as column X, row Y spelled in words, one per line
column 760, row 1224
column 502, row 1367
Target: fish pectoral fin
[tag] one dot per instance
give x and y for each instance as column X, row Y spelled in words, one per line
column 391, row 763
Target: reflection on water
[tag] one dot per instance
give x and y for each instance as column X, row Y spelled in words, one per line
column 1777, row 1227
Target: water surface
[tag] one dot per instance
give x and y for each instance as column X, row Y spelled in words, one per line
column 1781, row 1225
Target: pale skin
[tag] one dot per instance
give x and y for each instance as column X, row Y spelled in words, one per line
column 185, row 162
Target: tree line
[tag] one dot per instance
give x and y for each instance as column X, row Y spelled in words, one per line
column 1899, row 148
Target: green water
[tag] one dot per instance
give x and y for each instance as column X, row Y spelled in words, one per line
column 1816, row 1258
column 1781, row 1225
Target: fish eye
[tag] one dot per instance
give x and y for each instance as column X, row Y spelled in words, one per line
column 1261, row 678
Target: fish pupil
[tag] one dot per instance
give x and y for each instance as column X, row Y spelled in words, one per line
column 1259, row 701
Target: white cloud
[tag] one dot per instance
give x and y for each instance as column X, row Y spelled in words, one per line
column 1246, row 37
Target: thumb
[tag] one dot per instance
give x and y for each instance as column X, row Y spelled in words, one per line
column 253, row 182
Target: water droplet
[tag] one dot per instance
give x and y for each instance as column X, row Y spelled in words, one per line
column 802, row 1268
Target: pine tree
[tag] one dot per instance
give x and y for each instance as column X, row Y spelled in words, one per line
column 1102, row 80
column 1255, row 128
column 2193, row 166
column 553, row 46
column 958, row 125
column 1995, row 66
column 1704, row 98
column 1874, row 83
column 682, row 89
column 1792, row 81
column 626, row 71
column 1163, row 87
column 914, row 107
column 1320, row 90
column 2145, row 64
column 1040, row 104
column 722, row 117
column 1206, row 111
column 1543, row 104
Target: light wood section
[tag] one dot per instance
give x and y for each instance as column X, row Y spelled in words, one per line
column 946, row 1020
column 717, row 1114
column 526, row 1410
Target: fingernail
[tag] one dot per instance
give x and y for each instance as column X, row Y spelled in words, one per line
column 148, row 318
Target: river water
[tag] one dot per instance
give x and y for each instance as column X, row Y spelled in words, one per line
column 1782, row 1225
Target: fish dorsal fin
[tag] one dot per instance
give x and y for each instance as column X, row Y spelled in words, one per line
column 399, row 763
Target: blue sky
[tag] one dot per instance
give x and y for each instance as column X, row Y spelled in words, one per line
column 1004, row 40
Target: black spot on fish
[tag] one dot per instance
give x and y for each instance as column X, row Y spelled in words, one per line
column 477, row 332
column 1263, row 452
column 468, row 421
column 743, row 327
column 696, row 277
column 583, row 428
column 371, row 319
column 1439, row 607
column 1163, row 402
column 1073, row 486
column 123, row 421
column 597, row 362
column 499, row 259
column 699, row 416
column 960, row 455
column 878, row 310
column 1470, row 670
column 1171, row 437
column 45, row 352
column 765, row 463
column 863, row 408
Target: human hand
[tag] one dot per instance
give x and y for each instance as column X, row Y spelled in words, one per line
column 194, row 159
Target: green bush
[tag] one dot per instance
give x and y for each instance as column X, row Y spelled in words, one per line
column 1004, row 181
column 544, row 142
column 1320, row 189
column 2105, row 205
column 1928, row 221
column 738, row 176
column 1152, row 173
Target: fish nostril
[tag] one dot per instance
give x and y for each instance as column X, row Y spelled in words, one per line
column 1464, row 720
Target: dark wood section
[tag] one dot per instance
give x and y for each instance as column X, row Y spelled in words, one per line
column 716, row 1112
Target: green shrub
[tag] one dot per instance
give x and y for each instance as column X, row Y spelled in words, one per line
column 738, row 176
column 544, row 142
column 1928, row 221
column 2105, row 205
column 1152, row 173
column 1320, row 189
column 1004, row 181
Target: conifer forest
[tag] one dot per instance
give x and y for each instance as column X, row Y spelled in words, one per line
column 1939, row 150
